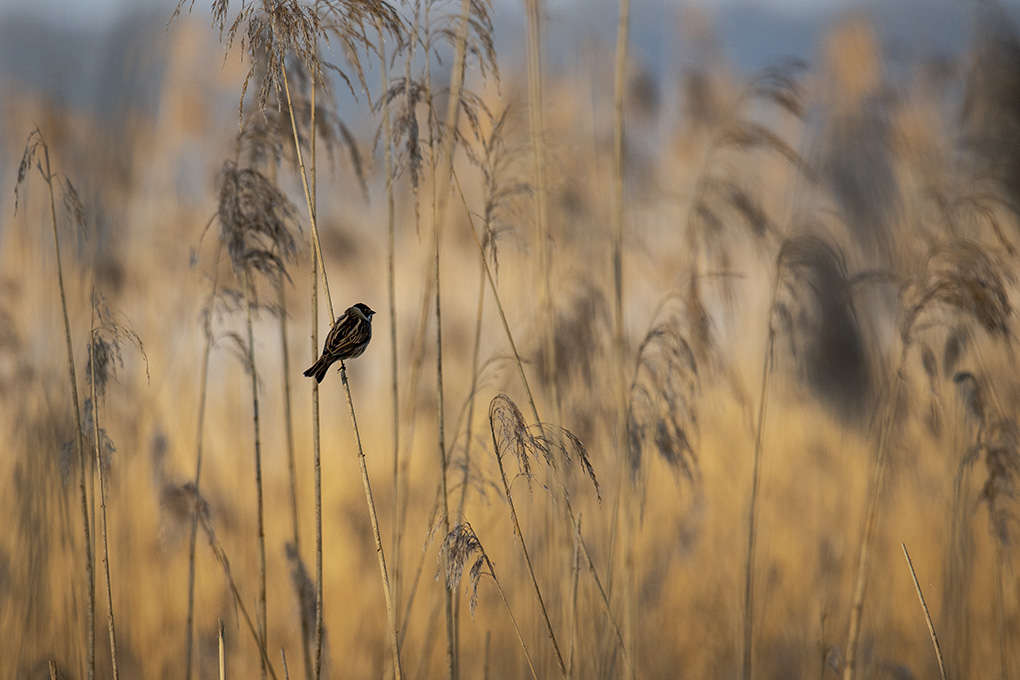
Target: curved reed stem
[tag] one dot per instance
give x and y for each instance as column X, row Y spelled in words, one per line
column 391, row 611
column 527, row 558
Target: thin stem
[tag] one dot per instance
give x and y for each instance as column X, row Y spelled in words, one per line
column 752, row 511
column 90, row 610
column 527, row 558
column 619, row 226
column 535, row 120
column 513, row 620
column 860, row 588
column 469, row 436
column 391, row 286
column 317, row 466
column 440, row 189
column 202, row 394
column 1001, row 567
column 316, row 434
column 287, row 412
column 102, row 509
column 288, row 420
column 261, row 612
column 221, row 557
column 391, row 611
column 308, row 184
column 222, row 651
column 622, row 42
column 927, row 614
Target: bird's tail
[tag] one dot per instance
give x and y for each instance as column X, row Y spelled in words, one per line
column 318, row 369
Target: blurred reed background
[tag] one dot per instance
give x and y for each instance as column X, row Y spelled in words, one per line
column 743, row 323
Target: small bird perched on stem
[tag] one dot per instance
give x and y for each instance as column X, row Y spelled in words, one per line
column 347, row 339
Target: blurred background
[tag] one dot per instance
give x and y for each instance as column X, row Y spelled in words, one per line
column 819, row 217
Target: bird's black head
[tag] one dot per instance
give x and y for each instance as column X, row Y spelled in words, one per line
column 362, row 309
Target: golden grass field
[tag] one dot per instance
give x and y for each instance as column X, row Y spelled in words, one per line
column 810, row 333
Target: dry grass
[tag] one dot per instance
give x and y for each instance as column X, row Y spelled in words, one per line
column 833, row 241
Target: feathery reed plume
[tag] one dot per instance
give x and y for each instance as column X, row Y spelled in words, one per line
column 512, row 436
column 720, row 197
column 455, row 552
column 998, row 441
column 276, row 29
column 969, row 282
column 34, row 148
column 273, row 135
column 105, row 340
column 662, row 406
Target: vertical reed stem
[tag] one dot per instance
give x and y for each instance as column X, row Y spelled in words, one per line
column 249, row 286
column 391, row 611
column 202, row 394
column 102, row 507
column 90, row 583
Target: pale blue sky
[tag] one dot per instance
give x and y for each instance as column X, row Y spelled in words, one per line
column 96, row 11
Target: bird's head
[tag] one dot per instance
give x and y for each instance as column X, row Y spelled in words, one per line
column 362, row 310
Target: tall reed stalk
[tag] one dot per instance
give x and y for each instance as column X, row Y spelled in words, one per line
column 111, row 624
column 752, row 510
column 536, row 117
column 391, row 295
column 619, row 339
column 34, row 144
column 867, row 535
column 307, row 182
column 261, row 612
column 199, row 448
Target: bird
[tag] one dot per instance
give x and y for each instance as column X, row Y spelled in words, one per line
column 347, row 339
